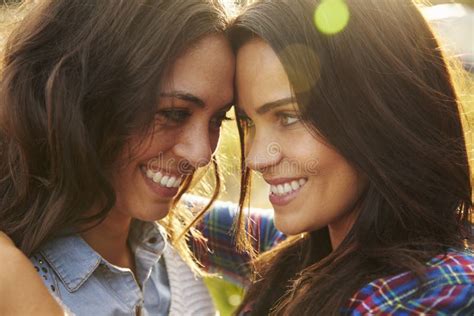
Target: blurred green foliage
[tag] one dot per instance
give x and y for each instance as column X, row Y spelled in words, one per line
column 226, row 296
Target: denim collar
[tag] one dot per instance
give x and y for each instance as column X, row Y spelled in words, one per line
column 75, row 261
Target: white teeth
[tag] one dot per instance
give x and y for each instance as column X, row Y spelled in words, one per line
column 177, row 183
column 285, row 188
column 280, row 189
column 170, row 182
column 295, row 185
column 157, row 177
column 164, row 181
column 150, row 174
column 273, row 189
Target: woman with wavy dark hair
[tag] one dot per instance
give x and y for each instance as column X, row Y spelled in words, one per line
column 348, row 111
column 106, row 110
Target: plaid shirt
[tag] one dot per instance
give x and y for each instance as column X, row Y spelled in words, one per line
column 450, row 290
column 450, row 277
column 221, row 257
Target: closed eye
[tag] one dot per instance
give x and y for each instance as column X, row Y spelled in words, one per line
column 172, row 116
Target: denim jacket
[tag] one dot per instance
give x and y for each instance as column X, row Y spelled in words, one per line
column 89, row 285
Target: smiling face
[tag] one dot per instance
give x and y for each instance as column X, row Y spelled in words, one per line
column 193, row 103
column 311, row 184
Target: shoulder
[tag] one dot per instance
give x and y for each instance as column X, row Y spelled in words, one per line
column 448, row 288
column 5, row 241
column 20, row 283
column 11, row 258
column 461, row 258
column 13, row 265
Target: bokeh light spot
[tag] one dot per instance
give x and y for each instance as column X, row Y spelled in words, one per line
column 331, row 16
column 235, row 300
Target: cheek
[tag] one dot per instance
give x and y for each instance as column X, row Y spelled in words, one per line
column 341, row 185
column 119, row 179
column 305, row 153
column 163, row 141
column 165, row 137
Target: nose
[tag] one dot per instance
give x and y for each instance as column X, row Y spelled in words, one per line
column 194, row 147
column 263, row 153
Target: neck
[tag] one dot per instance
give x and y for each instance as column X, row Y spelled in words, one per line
column 339, row 229
column 110, row 240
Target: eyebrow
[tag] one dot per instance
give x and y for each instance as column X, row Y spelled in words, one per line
column 185, row 96
column 274, row 104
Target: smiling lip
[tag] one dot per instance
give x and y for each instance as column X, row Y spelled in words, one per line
column 284, row 199
column 277, row 181
column 281, row 199
column 158, row 189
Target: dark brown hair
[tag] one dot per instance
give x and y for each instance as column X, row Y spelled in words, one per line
column 79, row 79
column 380, row 93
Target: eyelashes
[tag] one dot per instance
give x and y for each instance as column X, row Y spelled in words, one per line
column 245, row 121
column 174, row 117
column 287, row 119
column 283, row 118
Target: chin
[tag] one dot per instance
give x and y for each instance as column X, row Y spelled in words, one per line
column 154, row 214
column 289, row 229
column 152, row 217
column 292, row 226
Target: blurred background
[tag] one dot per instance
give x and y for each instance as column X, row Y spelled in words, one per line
column 452, row 21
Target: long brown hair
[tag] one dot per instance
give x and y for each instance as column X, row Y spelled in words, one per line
column 380, row 93
column 79, row 79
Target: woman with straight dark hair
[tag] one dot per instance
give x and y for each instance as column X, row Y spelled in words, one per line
column 348, row 111
column 106, row 110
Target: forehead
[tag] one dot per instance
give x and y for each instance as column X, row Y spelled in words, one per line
column 260, row 76
column 205, row 70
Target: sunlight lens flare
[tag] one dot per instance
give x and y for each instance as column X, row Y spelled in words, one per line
column 331, row 16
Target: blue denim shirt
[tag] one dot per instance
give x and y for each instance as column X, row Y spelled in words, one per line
column 89, row 285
